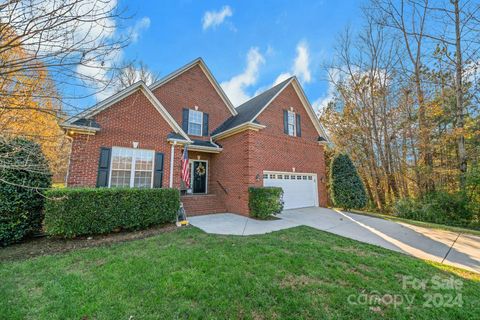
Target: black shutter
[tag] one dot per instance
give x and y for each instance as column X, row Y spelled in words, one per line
column 285, row 121
column 185, row 120
column 299, row 126
column 205, row 125
column 103, row 167
column 158, row 170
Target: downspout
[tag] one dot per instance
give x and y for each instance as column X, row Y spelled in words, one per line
column 172, row 158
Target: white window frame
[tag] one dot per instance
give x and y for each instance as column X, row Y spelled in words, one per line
column 201, row 122
column 132, row 169
column 294, row 124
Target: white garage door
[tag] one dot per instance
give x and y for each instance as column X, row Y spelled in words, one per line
column 299, row 189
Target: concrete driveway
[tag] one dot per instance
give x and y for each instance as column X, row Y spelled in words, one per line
column 460, row 250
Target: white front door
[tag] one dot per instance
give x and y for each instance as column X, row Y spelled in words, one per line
column 299, row 189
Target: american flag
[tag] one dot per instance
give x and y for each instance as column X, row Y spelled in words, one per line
column 185, row 171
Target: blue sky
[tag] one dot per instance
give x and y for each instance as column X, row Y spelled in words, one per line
column 248, row 45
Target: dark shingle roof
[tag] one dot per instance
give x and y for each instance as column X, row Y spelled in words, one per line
column 176, row 136
column 86, row 123
column 248, row 110
column 203, row 143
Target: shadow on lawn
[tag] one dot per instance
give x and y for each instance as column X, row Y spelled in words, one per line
column 35, row 247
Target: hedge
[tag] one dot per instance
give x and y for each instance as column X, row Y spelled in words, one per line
column 87, row 211
column 265, row 201
column 25, row 176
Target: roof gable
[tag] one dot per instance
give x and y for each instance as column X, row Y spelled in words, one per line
column 208, row 74
column 82, row 118
column 249, row 111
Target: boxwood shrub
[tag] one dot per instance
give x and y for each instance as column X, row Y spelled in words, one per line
column 74, row 212
column 265, row 201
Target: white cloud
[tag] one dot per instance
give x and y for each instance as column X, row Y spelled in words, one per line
column 215, row 18
column 139, row 26
column 301, row 65
column 235, row 87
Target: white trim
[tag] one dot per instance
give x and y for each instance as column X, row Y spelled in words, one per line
column 314, row 175
column 173, row 140
column 205, row 149
column 306, row 104
column 201, row 123
column 132, row 169
column 206, row 174
column 239, row 128
column 210, row 77
column 140, row 85
column 172, row 159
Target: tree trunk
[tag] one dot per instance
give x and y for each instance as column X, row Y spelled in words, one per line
column 462, row 155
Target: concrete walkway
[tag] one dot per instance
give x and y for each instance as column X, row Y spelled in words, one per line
column 447, row 247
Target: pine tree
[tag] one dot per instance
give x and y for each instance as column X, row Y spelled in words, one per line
column 347, row 189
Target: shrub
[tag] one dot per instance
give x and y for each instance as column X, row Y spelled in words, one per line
column 265, row 201
column 73, row 212
column 347, row 189
column 437, row 207
column 25, row 175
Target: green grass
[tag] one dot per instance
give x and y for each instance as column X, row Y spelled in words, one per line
column 187, row 274
column 417, row 223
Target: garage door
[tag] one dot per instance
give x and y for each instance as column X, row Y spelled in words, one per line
column 299, row 189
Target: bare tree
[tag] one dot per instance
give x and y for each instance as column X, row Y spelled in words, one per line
column 53, row 53
column 409, row 18
column 131, row 72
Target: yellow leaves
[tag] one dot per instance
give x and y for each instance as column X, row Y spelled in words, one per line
column 28, row 102
column 434, row 110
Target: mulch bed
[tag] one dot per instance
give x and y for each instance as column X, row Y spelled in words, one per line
column 35, row 247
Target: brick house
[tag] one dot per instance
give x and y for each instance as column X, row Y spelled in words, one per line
column 136, row 138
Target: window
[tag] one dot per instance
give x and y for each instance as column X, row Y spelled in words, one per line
column 265, row 176
column 291, row 123
column 195, row 121
column 272, row 176
column 131, row 168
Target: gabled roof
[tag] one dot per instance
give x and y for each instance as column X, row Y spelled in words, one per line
column 250, row 110
column 83, row 119
column 208, row 73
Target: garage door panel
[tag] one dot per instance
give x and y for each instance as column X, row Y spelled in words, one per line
column 300, row 190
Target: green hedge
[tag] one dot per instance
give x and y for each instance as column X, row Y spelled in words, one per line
column 85, row 211
column 453, row 209
column 25, row 175
column 265, row 201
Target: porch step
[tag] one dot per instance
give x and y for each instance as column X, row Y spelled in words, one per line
column 202, row 204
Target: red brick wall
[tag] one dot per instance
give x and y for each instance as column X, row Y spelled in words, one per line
column 230, row 168
column 132, row 119
column 247, row 154
column 189, row 89
column 302, row 153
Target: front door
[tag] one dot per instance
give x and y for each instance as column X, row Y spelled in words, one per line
column 199, row 176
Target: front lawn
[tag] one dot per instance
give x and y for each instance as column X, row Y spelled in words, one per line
column 295, row 273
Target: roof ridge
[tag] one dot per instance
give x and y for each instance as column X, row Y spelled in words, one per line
column 278, row 85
